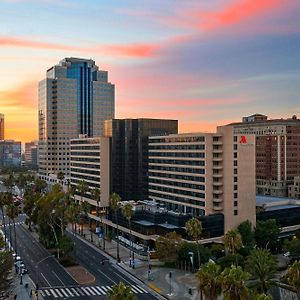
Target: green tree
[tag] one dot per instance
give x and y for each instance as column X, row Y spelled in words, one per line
column 267, row 233
column 168, row 246
column 114, row 205
column 3, row 202
column 293, row 246
column 247, row 233
column 194, row 230
column 232, row 241
column 261, row 264
column 263, row 297
column 65, row 244
column 82, row 188
column 120, row 292
column 127, row 211
column 233, row 283
column 209, row 281
column 60, row 176
column 12, row 213
column 9, row 182
column 96, row 196
column 231, row 259
column 6, row 263
column 293, row 277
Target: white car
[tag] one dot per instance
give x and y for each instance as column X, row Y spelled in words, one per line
column 287, row 254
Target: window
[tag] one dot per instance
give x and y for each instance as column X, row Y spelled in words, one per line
column 235, row 212
column 235, row 203
column 235, row 195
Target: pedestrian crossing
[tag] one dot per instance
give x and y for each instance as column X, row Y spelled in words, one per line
column 69, row 292
column 11, row 224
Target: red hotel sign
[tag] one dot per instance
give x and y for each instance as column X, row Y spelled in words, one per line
column 243, row 139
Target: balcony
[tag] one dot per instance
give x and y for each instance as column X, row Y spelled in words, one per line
column 217, row 167
column 217, row 200
column 217, row 183
column 217, row 208
column 217, row 175
column 217, row 192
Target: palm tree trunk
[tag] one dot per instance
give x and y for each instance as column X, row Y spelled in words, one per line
column 198, row 250
column 118, row 241
column 10, row 233
column 16, row 250
column 4, row 225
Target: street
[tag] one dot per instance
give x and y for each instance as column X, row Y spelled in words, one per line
column 55, row 282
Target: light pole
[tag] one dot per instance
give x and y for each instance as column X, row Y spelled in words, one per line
column 170, row 287
column 191, row 255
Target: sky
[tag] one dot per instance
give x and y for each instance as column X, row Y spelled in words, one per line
column 205, row 63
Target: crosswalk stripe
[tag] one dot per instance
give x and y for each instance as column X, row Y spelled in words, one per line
column 75, row 292
column 86, row 292
column 43, row 294
column 47, row 292
column 59, row 293
column 143, row 290
column 54, row 294
column 91, row 291
column 80, row 292
column 137, row 288
column 134, row 290
column 108, row 287
column 100, row 289
column 104, row 288
column 71, row 294
column 64, row 292
column 95, row 290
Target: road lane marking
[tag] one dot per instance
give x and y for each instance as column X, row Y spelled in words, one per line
column 64, row 292
column 70, row 293
column 91, row 291
column 141, row 288
column 53, row 293
column 106, row 276
column 95, row 290
column 75, row 292
column 58, row 277
column 45, row 279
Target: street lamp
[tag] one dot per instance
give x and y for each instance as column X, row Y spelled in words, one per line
column 191, row 255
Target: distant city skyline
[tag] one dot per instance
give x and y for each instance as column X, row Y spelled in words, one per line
column 205, row 63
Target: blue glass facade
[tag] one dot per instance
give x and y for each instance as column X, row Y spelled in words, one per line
column 82, row 72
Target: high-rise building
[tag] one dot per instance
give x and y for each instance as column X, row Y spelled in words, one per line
column 204, row 173
column 277, row 152
column 30, row 155
column 1, row 127
column 74, row 98
column 129, row 153
column 10, row 153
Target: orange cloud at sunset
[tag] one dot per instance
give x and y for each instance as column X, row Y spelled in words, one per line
column 133, row 50
column 236, row 12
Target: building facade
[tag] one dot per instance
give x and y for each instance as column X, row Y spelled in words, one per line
column 75, row 98
column 204, row 173
column 30, row 155
column 1, row 127
column 89, row 161
column 129, row 153
column 10, row 153
column 277, row 152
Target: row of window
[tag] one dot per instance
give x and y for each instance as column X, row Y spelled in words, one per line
column 176, row 147
column 178, row 162
column 177, row 169
column 177, row 154
column 178, row 184
column 175, row 176
column 177, row 191
column 153, row 194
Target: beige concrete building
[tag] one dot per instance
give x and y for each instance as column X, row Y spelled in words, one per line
column 75, row 98
column 89, row 161
column 204, row 174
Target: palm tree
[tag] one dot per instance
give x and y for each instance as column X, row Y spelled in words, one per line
column 12, row 213
column 3, row 202
column 82, row 188
column 95, row 195
column 263, row 297
column 120, row 292
column 209, row 280
column 194, row 230
column 128, row 213
column 293, row 276
column 232, row 241
column 233, row 283
column 114, row 204
column 261, row 264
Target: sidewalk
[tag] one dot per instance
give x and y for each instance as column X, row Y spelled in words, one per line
column 24, row 291
column 176, row 288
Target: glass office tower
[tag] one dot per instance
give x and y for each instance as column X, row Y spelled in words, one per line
column 74, row 98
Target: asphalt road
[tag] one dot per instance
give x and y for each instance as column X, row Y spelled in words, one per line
column 55, row 283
